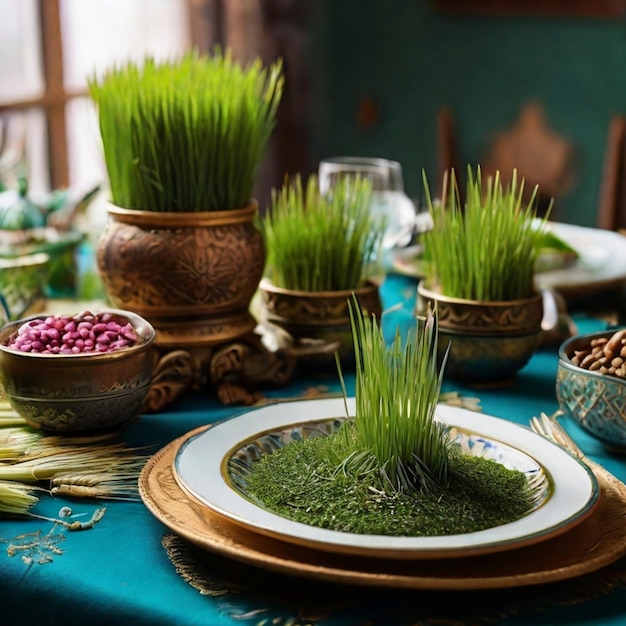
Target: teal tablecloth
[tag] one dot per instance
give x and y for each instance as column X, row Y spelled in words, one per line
column 120, row 573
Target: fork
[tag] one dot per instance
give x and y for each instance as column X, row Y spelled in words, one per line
column 550, row 428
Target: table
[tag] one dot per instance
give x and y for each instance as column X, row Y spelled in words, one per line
column 120, row 572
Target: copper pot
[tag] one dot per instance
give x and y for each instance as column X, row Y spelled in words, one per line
column 192, row 275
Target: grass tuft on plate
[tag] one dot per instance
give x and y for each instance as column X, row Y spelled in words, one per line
column 392, row 469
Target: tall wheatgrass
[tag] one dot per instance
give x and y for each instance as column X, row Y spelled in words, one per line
column 186, row 134
column 487, row 249
column 397, row 390
column 321, row 242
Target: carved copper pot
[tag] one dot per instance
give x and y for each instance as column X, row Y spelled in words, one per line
column 192, row 275
column 489, row 342
column 318, row 321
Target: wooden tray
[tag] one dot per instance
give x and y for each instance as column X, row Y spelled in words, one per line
column 597, row 541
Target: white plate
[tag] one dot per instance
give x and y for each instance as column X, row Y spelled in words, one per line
column 202, row 469
column 601, row 262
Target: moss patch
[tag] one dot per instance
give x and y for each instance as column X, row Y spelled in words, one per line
column 299, row 482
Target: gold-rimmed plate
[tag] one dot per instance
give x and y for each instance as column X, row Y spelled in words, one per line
column 597, row 541
column 205, row 469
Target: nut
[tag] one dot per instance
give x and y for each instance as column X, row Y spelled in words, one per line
column 606, row 355
column 614, row 344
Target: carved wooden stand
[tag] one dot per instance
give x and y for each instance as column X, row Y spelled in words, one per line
column 235, row 370
column 193, row 276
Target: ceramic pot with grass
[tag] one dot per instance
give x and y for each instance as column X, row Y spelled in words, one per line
column 182, row 247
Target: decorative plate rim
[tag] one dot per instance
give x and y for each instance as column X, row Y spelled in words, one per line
column 200, row 468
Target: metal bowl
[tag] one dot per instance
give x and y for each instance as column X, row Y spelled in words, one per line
column 488, row 341
column 318, row 319
column 69, row 393
column 594, row 400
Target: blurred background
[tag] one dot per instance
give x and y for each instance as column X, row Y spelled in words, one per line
column 428, row 83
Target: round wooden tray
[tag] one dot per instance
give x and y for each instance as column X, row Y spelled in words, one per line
column 595, row 542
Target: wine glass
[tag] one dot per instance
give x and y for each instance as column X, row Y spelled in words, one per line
column 388, row 197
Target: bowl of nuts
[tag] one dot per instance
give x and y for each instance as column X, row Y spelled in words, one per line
column 591, row 384
column 88, row 372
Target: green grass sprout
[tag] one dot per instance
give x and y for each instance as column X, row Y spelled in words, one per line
column 394, row 432
column 487, row 249
column 390, row 468
column 321, row 242
column 186, row 134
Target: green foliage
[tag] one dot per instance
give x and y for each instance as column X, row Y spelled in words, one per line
column 299, row 482
column 187, row 134
column 395, row 432
column 487, row 249
column 321, row 242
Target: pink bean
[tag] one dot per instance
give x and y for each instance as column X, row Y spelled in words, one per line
column 54, row 334
column 64, row 334
column 129, row 332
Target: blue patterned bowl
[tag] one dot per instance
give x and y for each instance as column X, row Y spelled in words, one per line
column 594, row 400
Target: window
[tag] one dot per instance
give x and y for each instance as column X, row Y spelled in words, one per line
column 49, row 48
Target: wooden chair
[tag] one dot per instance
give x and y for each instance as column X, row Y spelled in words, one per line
column 540, row 155
column 612, row 204
column 447, row 153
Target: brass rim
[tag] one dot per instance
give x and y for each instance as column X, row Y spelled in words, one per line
column 184, row 219
column 435, row 295
column 267, row 285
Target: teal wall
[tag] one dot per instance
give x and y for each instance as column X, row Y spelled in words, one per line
column 412, row 59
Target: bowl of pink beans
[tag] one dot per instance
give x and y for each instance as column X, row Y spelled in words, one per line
column 85, row 372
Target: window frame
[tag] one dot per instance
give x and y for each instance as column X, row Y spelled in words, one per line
column 54, row 100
